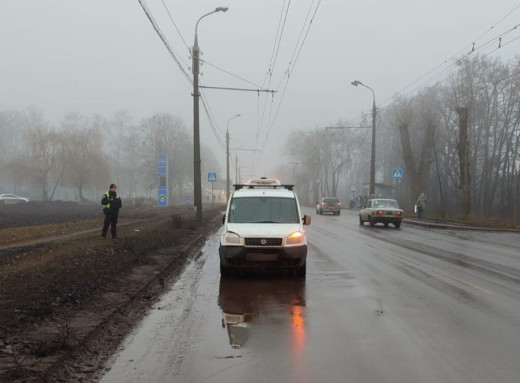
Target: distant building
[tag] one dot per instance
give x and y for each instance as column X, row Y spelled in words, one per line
column 381, row 190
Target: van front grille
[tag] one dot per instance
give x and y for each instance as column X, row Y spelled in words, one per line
column 263, row 241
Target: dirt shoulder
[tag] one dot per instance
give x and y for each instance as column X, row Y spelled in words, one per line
column 65, row 305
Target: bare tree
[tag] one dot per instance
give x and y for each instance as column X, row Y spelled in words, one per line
column 87, row 165
column 423, row 123
column 44, row 146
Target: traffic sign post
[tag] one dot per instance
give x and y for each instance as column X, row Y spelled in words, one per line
column 397, row 175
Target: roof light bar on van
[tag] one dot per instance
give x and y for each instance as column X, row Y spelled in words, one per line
column 263, row 181
column 242, row 186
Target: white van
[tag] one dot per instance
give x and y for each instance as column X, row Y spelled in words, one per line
column 263, row 229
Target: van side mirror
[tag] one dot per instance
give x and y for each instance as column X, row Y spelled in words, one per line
column 307, row 219
column 223, row 219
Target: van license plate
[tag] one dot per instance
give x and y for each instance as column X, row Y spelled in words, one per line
column 259, row 257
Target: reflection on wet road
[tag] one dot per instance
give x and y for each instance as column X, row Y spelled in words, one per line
column 378, row 305
column 244, row 301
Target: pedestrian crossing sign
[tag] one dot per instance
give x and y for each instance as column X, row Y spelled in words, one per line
column 212, row 177
column 397, row 174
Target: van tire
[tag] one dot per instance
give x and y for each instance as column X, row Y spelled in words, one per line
column 224, row 271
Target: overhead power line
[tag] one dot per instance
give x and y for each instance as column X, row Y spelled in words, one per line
column 498, row 22
column 487, row 45
column 207, row 109
column 175, row 25
column 272, row 62
column 163, row 39
column 232, row 74
column 292, row 63
column 213, row 125
column 290, row 69
column 239, row 89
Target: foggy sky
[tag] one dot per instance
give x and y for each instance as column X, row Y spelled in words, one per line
column 102, row 56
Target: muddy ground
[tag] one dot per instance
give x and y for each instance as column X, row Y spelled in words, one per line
column 65, row 305
column 40, row 213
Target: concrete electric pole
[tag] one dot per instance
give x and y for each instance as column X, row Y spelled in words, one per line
column 197, row 187
column 227, row 156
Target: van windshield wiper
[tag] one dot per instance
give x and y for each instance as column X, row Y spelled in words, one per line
column 266, row 222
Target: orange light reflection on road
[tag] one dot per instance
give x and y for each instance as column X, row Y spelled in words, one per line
column 298, row 328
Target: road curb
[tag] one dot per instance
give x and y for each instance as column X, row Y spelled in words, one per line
column 448, row 226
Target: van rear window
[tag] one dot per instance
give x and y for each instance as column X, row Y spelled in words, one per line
column 263, row 210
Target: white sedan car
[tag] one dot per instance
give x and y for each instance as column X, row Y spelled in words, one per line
column 381, row 210
column 12, row 199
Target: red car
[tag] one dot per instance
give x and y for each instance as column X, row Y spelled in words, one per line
column 328, row 205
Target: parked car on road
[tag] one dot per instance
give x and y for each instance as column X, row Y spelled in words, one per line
column 12, row 199
column 263, row 229
column 328, row 205
column 385, row 211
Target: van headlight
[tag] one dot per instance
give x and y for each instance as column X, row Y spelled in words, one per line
column 294, row 238
column 231, row 238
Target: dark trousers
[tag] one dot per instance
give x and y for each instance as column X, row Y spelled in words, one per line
column 420, row 212
column 110, row 220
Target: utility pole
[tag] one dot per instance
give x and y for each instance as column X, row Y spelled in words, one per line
column 227, row 165
column 197, row 187
column 227, row 156
column 517, row 168
column 463, row 147
column 373, row 154
column 236, row 169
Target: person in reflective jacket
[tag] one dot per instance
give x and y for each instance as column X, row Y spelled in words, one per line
column 111, row 202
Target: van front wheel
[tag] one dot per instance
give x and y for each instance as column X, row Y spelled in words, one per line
column 224, row 271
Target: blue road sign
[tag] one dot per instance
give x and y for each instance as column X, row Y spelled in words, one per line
column 162, row 198
column 397, row 174
column 161, row 165
column 212, row 177
column 162, row 171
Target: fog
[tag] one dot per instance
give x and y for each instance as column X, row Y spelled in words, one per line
column 100, row 57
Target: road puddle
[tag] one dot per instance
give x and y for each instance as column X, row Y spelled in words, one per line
column 249, row 302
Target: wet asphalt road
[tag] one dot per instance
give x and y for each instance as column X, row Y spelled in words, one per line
column 378, row 305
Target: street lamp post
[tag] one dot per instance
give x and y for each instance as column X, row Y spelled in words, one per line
column 197, row 189
column 227, row 155
column 373, row 154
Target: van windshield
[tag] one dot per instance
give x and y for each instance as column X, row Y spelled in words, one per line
column 263, row 210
